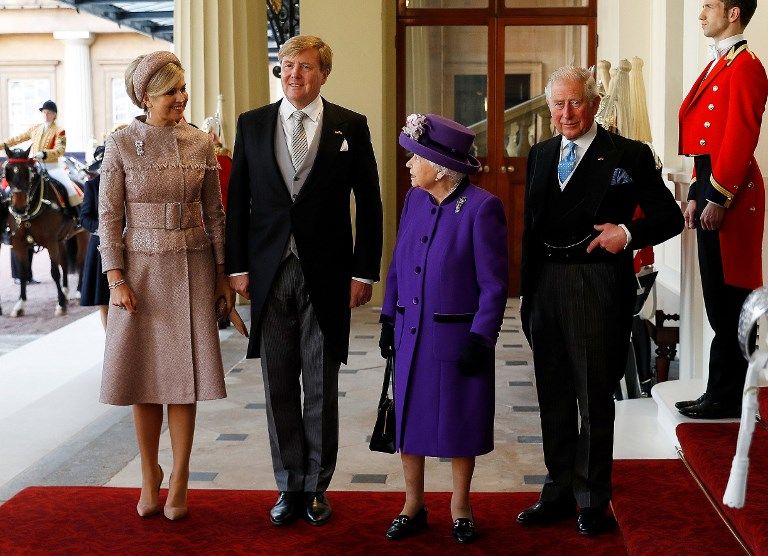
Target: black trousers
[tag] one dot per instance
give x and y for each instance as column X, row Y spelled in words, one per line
column 580, row 328
column 15, row 264
column 727, row 366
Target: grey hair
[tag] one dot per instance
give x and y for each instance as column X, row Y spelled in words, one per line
column 454, row 176
column 573, row 73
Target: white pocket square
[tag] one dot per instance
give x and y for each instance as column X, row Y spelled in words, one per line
column 344, row 146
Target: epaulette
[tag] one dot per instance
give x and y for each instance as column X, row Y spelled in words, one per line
column 731, row 56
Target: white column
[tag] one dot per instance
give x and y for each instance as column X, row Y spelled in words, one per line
column 76, row 108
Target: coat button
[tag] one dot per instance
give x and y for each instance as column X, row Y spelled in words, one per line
column 715, row 88
column 711, row 106
column 751, row 209
column 415, row 300
column 750, row 185
column 413, row 330
column 424, row 239
column 707, row 124
column 702, row 142
column 417, row 270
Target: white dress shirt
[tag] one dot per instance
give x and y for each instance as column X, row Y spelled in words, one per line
column 720, row 48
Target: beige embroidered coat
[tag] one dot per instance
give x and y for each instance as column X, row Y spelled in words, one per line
column 51, row 140
column 163, row 181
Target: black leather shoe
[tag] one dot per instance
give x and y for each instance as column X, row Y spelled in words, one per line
column 712, row 410
column 404, row 526
column 542, row 513
column 593, row 521
column 317, row 508
column 464, row 530
column 689, row 403
column 286, row 509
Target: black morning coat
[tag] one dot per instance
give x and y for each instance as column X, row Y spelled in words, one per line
column 610, row 197
column 261, row 216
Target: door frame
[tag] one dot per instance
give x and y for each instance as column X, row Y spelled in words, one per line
column 495, row 17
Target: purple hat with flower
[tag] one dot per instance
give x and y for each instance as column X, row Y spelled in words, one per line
column 441, row 141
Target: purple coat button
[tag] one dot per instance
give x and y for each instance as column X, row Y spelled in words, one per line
column 424, row 239
column 413, row 330
column 415, row 300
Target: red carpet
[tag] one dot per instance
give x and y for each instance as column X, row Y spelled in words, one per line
column 709, row 449
column 93, row 520
column 661, row 510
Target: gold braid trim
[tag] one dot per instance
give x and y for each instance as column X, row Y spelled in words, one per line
column 722, row 190
column 735, row 52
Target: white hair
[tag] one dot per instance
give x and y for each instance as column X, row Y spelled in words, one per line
column 454, row 176
column 573, row 73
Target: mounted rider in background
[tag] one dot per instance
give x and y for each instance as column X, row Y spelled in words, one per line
column 48, row 144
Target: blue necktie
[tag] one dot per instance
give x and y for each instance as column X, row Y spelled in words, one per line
column 568, row 163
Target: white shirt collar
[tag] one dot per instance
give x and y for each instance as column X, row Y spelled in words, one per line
column 312, row 110
column 583, row 142
column 725, row 45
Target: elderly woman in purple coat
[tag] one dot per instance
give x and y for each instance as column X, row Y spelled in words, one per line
column 444, row 303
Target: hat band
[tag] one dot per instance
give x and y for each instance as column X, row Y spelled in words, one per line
column 442, row 149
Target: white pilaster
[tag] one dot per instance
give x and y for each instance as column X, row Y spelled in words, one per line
column 77, row 106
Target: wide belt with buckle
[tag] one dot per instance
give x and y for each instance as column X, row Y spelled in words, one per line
column 164, row 216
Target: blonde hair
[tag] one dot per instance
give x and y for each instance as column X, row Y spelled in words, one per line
column 162, row 81
column 293, row 46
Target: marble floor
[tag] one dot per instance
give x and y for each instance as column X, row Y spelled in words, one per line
column 54, row 432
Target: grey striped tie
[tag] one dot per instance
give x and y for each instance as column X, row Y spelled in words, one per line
column 299, row 147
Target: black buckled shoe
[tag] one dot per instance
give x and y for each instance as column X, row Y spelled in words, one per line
column 464, row 530
column 593, row 521
column 404, row 526
column 286, row 509
column 543, row 513
column 709, row 409
column 689, row 403
column 317, row 508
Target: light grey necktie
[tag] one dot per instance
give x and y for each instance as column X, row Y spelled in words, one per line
column 299, row 146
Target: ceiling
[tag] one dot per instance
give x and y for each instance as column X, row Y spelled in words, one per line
column 153, row 18
column 150, row 18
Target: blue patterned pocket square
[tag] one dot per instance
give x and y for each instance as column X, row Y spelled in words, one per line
column 620, row 177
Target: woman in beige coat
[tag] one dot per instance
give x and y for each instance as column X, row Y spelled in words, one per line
column 165, row 273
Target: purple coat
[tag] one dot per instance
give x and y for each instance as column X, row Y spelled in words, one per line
column 448, row 278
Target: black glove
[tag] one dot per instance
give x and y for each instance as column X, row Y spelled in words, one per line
column 387, row 339
column 476, row 357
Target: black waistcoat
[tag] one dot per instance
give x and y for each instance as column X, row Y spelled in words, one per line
column 568, row 216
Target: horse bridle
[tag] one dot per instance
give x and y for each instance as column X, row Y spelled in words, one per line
column 25, row 215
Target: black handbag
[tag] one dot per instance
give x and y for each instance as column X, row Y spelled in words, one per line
column 383, row 437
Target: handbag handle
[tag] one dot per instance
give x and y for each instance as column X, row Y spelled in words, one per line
column 387, row 378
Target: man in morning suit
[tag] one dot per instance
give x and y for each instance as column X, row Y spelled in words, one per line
column 578, row 290
column 290, row 250
column 719, row 126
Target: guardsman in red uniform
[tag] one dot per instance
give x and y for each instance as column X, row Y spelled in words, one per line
column 720, row 126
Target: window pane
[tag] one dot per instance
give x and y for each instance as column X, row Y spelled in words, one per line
column 531, row 55
column 446, row 3
column 447, row 73
column 123, row 110
column 547, row 3
column 25, row 96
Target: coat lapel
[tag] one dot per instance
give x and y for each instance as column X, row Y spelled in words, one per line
column 332, row 135
column 547, row 159
column 264, row 143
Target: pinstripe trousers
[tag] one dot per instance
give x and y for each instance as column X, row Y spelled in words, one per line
column 580, row 338
column 303, row 439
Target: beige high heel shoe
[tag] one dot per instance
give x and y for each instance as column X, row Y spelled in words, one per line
column 147, row 510
column 174, row 513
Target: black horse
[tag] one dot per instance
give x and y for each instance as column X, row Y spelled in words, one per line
column 36, row 218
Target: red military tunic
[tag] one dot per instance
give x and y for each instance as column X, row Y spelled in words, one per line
column 721, row 117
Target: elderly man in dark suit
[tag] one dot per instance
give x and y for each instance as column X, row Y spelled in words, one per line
column 290, row 250
column 578, row 289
